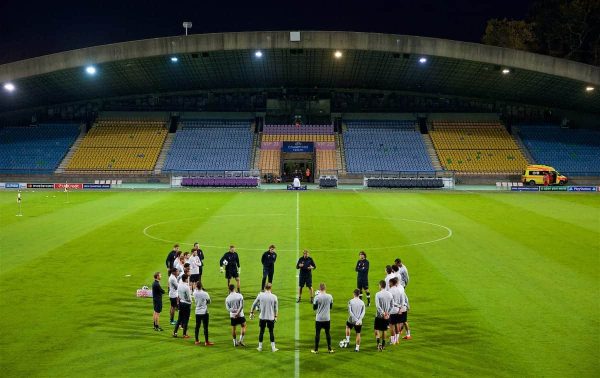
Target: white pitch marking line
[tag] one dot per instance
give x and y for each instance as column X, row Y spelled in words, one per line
column 297, row 323
column 448, row 235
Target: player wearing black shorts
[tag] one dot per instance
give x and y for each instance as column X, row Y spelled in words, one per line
column 384, row 303
column 362, row 278
column 157, row 293
column 234, row 303
column 306, row 265
column 268, row 262
column 230, row 264
column 269, row 309
column 356, row 313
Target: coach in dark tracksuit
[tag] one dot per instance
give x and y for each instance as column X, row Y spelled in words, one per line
column 268, row 262
column 306, row 265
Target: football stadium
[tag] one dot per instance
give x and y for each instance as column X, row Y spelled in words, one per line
column 467, row 175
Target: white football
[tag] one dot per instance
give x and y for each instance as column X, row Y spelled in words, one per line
column 343, row 344
column 224, row 262
column 317, row 292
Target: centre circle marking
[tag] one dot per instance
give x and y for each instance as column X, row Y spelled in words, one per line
column 448, row 230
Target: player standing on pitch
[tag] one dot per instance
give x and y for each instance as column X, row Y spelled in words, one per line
column 323, row 304
column 268, row 262
column 306, row 265
column 267, row 303
column 157, row 293
column 362, row 277
column 356, row 313
column 230, row 264
column 202, row 301
column 173, row 296
column 200, row 255
column 234, row 303
column 384, row 303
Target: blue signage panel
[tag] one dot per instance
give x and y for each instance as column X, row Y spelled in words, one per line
column 96, row 186
column 582, row 188
column 297, row 147
column 524, row 189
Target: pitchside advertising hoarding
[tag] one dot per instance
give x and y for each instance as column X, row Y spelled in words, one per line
column 298, row 147
column 55, row 186
column 595, row 189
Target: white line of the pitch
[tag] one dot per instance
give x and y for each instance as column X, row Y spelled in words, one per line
column 297, row 319
column 448, row 229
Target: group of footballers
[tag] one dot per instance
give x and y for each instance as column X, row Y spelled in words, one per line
column 185, row 286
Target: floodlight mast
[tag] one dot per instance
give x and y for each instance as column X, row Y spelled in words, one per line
column 187, row 25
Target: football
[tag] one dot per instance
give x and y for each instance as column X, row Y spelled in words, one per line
column 224, row 262
column 343, row 343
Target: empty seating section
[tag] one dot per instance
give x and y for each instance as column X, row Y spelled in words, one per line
column 35, row 149
column 326, row 160
column 120, row 145
column 211, row 146
column 298, row 138
column 572, row 151
column 478, row 147
column 384, row 146
column 270, row 162
column 298, row 129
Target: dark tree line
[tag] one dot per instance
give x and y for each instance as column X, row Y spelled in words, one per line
column 567, row 29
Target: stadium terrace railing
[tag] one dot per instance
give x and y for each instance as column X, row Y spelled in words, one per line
column 447, row 177
column 177, row 177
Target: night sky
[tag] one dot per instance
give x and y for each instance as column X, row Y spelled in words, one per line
column 28, row 29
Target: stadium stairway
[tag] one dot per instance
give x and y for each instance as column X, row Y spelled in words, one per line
column 340, row 158
column 526, row 152
column 160, row 162
column 435, row 161
column 65, row 162
column 256, row 150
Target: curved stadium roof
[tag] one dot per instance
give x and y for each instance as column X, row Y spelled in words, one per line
column 369, row 61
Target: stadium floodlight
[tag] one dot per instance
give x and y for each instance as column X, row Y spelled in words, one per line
column 338, row 54
column 90, row 70
column 422, row 60
column 174, row 59
column 588, row 89
column 505, row 71
column 187, row 25
column 258, row 54
column 9, row 87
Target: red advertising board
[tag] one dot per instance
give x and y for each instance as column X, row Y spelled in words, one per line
column 69, row 186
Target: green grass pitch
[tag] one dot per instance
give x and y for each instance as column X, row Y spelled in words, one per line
column 502, row 284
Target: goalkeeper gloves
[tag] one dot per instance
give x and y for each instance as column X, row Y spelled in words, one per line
column 239, row 270
column 222, row 269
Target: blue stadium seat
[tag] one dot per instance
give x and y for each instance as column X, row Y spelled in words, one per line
column 35, row 149
column 214, row 145
column 570, row 151
column 384, row 146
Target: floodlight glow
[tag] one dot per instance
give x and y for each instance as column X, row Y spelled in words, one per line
column 423, row 60
column 338, row 54
column 174, row 59
column 258, row 54
column 9, row 87
column 505, row 71
column 91, row 70
column 589, row 88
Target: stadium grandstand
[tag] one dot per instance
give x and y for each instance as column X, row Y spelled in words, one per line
column 353, row 103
